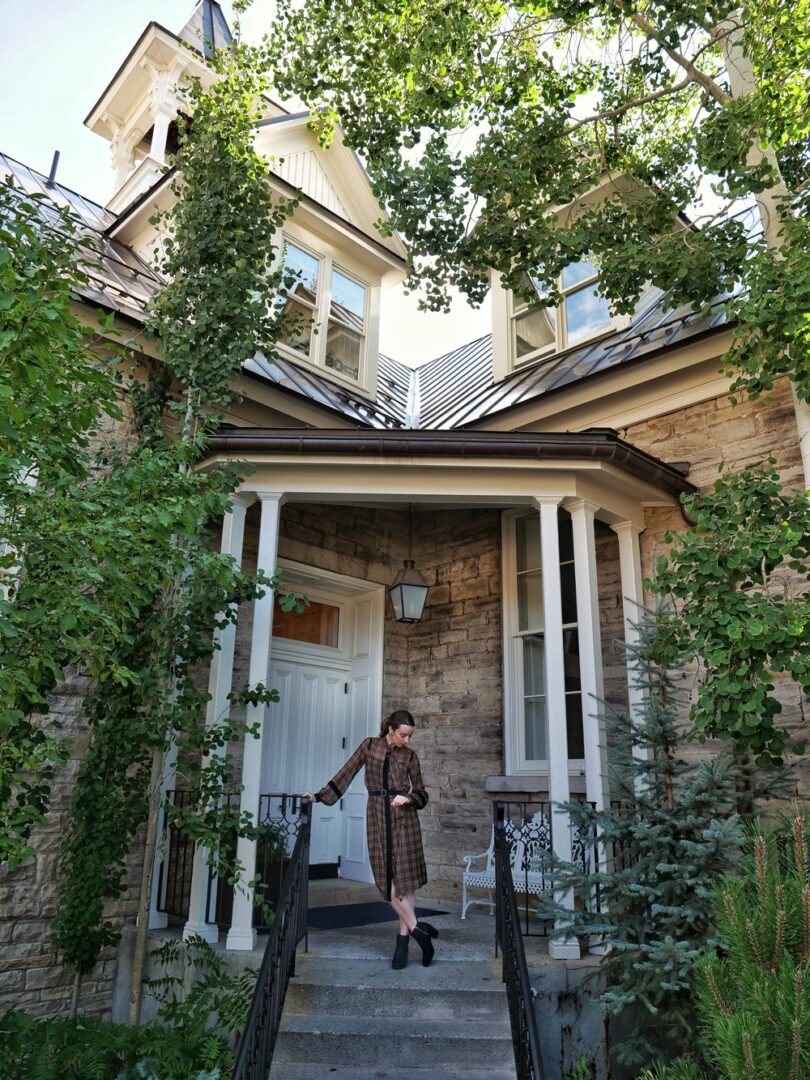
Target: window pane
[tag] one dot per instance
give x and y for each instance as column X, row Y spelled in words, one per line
column 535, row 330
column 571, row 660
column 534, row 666
column 530, row 601
column 527, row 530
column 586, row 314
column 348, row 300
column 576, row 272
column 318, row 625
column 535, row 721
column 343, row 349
column 305, row 267
column 566, row 530
column 297, row 334
column 573, row 726
column 569, row 593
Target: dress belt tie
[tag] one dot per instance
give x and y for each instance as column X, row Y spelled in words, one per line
column 388, row 791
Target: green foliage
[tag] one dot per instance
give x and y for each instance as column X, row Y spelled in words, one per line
column 190, row 1039
column 217, row 309
column 219, row 253
column 654, row 856
column 478, row 119
column 57, row 394
column 754, row 1009
column 742, row 609
column 754, row 1001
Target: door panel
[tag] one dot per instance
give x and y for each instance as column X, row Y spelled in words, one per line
column 304, row 737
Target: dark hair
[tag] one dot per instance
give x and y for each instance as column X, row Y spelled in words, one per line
column 399, row 718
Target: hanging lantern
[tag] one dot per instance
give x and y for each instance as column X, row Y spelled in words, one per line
column 408, row 593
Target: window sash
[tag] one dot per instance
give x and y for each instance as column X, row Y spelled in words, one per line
column 563, row 340
column 518, row 696
column 347, row 359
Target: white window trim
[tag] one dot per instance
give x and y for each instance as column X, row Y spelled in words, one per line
column 561, row 343
column 316, row 357
column 514, row 728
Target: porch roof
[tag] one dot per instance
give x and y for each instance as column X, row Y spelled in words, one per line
column 601, row 445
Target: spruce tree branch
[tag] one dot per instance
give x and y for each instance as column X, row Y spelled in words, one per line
column 645, row 99
column 708, row 84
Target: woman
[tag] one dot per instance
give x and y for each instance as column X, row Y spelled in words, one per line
column 395, row 793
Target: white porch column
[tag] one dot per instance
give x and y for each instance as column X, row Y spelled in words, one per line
column 160, row 133
column 558, row 785
column 220, row 681
column 241, row 934
column 590, row 650
column 632, row 601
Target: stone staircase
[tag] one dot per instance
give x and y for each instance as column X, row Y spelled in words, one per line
column 349, row 1016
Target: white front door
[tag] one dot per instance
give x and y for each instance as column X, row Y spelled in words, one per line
column 331, row 696
column 305, row 734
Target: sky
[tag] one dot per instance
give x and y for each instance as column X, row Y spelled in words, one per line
column 56, row 58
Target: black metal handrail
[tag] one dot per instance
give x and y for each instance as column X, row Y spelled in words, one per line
column 525, row 1037
column 256, row 1046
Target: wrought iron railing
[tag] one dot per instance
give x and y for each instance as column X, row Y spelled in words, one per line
column 174, row 874
column 525, row 1037
column 278, row 820
column 255, row 1051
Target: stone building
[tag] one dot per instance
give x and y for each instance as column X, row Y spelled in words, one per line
column 530, row 476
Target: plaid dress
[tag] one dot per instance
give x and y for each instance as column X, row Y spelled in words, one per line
column 394, row 837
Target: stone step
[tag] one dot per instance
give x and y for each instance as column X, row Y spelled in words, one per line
column 379, row 1041
column 470, row 988
column 289, row 1070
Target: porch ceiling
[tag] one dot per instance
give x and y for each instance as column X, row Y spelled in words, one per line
column 454, row 468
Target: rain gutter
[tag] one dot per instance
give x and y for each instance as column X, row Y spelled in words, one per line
column 595, row 444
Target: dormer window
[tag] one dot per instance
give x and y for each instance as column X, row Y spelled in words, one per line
column 302, row 298
column 346, row 334
column 539, row 331
column 324, row 295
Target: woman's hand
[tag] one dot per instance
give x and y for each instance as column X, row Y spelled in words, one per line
column 308, row 796
column 401, row 800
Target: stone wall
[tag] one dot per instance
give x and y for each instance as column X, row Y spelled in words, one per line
column 30, row 975
column 455, row 685
column 706, row 435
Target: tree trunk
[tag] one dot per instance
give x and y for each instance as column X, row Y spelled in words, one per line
column 142, row 930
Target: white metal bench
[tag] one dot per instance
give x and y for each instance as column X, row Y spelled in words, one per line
column 527, row 844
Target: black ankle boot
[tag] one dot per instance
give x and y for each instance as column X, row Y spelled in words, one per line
column 422, row 934
column 400, row 953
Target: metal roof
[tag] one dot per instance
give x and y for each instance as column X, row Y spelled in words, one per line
column 119, row 280
column 456, row 390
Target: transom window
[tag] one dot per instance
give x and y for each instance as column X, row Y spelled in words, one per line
column 527, row 715
column 322, row 294
column 537, row 331
column 319, row 624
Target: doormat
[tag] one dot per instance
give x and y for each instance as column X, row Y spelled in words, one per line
column 344, row 916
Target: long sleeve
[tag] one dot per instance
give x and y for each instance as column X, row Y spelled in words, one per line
column 418, row 795
column 335, row 789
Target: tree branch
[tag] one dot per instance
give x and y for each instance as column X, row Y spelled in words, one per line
column 635, row 103
column 708, row 84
